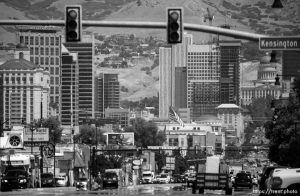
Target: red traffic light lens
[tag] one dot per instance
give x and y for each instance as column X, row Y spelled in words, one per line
column 72, row 14
column 174, row 16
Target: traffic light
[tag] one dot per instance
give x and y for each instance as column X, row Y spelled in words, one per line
column 273, row 57
column 73, row 24
column 275, row 116
column 277, row 82
column 174, row 26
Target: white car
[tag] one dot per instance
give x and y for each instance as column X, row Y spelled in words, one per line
column 164, row 178
column 60, row 181
column 285, row 181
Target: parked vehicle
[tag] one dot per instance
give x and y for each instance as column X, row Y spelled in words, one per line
column 176, row 178
column 285, row 181
column 110, row 179
column 47, row 180
column 191, row 179
column 15, row 179
column 164, row 178
column 82, row 184
column 60, row 181
column 243, row 179
column 147, row 177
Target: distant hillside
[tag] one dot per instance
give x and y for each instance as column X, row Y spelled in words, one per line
column 244, row 15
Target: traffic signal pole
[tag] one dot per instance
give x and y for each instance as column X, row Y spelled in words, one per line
column 144, row 25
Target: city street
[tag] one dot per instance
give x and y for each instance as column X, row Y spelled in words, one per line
column 146, row 189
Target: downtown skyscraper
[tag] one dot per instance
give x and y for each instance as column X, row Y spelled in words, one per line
column 44, row 44
column 230, row 71
column 86, row 94
column 203, row 80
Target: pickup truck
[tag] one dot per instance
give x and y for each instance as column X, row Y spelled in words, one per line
column 284, row 181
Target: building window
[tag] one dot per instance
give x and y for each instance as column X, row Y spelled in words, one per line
column 57, row 90
column 42, row 60
column 42, row 51
column 47, row 41
column 36, row 40
column 52, row 51
column 52, row 41
column 51, row 70
column 57, row 51
column 52, row 80
column 22, row 39
column 31, row 40
column 57, row 80
column 31, row 80
column 26, row 40
column 46, row 60
column 42, row 40
column 57, row 41
column 56, row 70
column 36, row 52
column 56, row 61
column 51, row 61
column 36, row 60
column 51, row 90
column 47, row 51
column 31, row 50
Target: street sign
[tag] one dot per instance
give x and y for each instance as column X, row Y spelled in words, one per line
column 279, row 43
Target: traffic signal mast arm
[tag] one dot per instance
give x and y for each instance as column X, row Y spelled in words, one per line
column 144, row 25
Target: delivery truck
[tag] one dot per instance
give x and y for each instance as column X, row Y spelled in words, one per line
column 213, row 174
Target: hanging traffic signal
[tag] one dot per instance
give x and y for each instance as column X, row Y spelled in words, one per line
column 275, row 116
column 277, row 82
column 73, row 23
column 174, row 25
column 273, row 57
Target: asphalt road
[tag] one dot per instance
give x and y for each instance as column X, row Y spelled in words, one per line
column 149, row 189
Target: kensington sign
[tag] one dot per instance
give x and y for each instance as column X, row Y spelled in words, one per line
column 279, row 43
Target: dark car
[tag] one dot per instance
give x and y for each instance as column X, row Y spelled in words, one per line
column 110, row 179
column 82, row 184
column 243, row 179
column 47, row 180
column 15, row 179
column 176, row 178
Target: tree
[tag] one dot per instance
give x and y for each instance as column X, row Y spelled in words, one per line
column 146, row 133
column 55, row 130
column 283, row 133
column 87, row 135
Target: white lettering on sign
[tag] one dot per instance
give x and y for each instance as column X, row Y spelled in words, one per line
column 279, row 44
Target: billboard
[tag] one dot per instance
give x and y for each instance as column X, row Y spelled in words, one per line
column 120, row 138
column 39, row 135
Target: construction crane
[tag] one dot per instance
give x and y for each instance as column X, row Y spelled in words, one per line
column 209, row 16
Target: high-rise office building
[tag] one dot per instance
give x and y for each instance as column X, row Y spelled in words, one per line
column 179, row 51
column 24, row 92
column 107, row 92
column 203, row 80
column 69, row 89
column 180, row 87
column 85, row 51
column 44, row 43
column 166, row 77
column 229, row 71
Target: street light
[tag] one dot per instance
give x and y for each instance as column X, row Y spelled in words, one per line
column 90, row 163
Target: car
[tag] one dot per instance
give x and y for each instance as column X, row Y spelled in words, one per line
column 155, row 179
column 176, row 178
column 164, row 178
column 60, row 181
column 243, row 179
column 81, row 184
column 110, row 179
column 15, row 179
column 47, row 180
column 285, row 181
column 264, row 177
